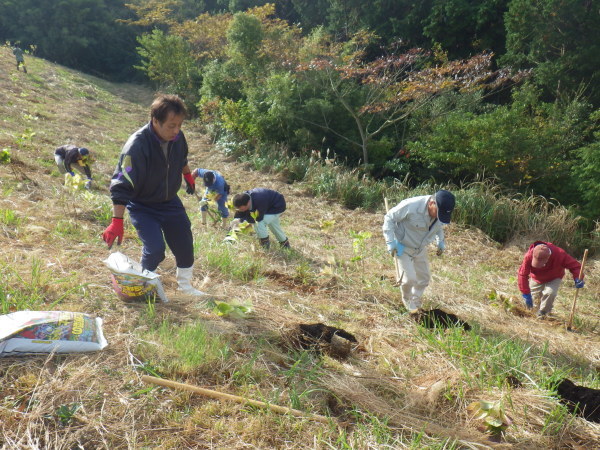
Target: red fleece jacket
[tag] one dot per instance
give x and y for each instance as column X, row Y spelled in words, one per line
column 554, row 268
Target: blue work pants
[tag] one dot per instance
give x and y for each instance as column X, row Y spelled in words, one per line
column 157, row 223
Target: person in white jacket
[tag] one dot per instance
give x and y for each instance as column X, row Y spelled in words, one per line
column 408, row 228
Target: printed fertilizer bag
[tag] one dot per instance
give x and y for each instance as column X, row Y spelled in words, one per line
column 131, row 282
column 28, row 332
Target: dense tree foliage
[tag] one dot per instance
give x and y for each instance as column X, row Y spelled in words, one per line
column 83, row 34
column 444, row 90
column 560, row 39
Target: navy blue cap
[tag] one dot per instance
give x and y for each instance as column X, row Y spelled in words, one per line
column 209, row 178
column 445, row 204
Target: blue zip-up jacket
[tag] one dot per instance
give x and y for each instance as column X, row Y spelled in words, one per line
column 265, row 201
column 219, row 185
column 143, row 173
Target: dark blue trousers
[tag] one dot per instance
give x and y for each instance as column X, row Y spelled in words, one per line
column 157, row 223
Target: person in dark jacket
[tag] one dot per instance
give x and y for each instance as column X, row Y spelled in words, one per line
column 146, row 181
column 262, row 207
column 541, row 274
column 69, row 157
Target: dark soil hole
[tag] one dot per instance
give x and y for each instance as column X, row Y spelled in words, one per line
column 580, row 400
column 317, row 336
column 513, row 381
column 437, row 318
column 322, row 333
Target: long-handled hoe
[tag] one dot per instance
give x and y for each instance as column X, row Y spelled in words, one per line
column 577, row 291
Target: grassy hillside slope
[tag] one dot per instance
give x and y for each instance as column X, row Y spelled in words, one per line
column 403, row 386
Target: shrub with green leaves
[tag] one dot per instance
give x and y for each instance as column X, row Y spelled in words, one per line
column 5, row 155
column 528, row 144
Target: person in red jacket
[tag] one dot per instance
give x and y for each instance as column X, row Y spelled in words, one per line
column 541, row 273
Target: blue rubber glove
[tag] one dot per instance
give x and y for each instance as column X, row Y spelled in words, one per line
column 579, row 283
column 441, row 248
column 395, row 248
column 71, row 173
column 528, row 301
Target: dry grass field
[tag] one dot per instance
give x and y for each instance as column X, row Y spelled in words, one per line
column 402, row 386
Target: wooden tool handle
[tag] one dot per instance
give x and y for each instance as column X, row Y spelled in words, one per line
column 222, row 396
column 572, row 315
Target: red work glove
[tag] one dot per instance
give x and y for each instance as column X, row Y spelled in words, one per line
column 190, row 182
column 113, row 231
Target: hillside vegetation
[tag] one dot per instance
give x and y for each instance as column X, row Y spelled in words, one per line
column 403, row 385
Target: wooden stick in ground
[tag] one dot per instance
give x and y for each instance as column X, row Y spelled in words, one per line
column 222, row 396
column 577, row 291
column 396, row 264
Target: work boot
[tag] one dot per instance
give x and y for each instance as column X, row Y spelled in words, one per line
column 184, row 280
column 204, row 217
column 225, row 223
column 265, row 243
column 285, row 244
column 413, row 306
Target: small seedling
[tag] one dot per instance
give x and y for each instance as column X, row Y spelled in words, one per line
column 236, row 230
column 209, row 201
column 5, row 155
column 327, row 226
column 227, row 309
column 26, row 138
column 74, row 182
column 494, row 418
column 359, row 244
column 65, row 413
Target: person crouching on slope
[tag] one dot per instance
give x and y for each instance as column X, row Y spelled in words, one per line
column 214, row 182
column 267, row 205
column 69, row 157
column 146, row 181
column 408, row 228
column 541, row 274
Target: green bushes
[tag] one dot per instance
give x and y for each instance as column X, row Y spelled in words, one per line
column 484, row 205
column 351, row 188
column 527, row 145
column 501, row 214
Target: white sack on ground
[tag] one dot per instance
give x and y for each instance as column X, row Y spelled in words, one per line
column 131, row 282
column 28, row 332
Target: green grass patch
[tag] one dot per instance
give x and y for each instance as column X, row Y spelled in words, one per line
column 183, row 348
column 487, row 361
column 19, row 292
column 234, row 260
column 9, row 218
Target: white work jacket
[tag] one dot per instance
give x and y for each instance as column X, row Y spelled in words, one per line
column 409, row 223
